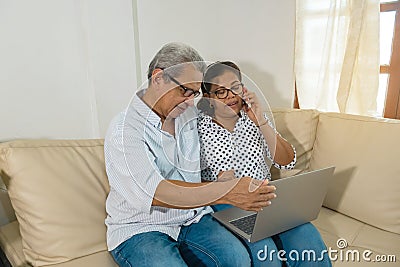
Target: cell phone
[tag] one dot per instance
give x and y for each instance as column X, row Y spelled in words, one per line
column 246, row 104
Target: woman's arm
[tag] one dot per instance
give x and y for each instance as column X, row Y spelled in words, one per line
column 282, row 152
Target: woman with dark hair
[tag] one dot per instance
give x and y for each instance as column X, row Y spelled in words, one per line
column 237, row 139
column 232, row 120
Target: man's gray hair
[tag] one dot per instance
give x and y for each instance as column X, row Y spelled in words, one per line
column 171, row 57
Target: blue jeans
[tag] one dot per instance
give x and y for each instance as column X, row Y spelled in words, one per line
column 297, row 247
column 206, row 243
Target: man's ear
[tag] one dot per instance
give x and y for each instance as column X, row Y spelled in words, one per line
column 157, row 76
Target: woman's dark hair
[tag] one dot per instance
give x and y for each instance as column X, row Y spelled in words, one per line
column 214, row 70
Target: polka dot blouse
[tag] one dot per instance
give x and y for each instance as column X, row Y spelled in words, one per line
column 244, row 150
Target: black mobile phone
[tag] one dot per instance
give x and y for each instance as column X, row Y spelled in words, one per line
column 246, row 104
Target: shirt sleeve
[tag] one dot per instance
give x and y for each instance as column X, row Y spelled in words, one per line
column 131, row 167
column 188, row 146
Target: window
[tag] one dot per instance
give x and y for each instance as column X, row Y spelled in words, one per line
column 337, row 55
column 389, row 78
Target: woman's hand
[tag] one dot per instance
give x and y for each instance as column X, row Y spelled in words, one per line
column 253, row 107
column 226, row 175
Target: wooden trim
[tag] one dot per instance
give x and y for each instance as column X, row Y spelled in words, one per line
column 392, row 6
column 296, row 99
column 384, row 69
column 392, row 106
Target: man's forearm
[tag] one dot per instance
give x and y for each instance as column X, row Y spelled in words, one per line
column 185, row 195
column 245, row 193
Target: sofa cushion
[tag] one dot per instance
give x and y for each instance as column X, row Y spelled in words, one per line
column 58, row 190
column 366, row 183
column 7, row 213
column 98, row 259
column 298, row 127
column 338, row 228
column 11, row 244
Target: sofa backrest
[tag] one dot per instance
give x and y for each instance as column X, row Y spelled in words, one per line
column 365, row 151
column 58, row 190
column 298, row 127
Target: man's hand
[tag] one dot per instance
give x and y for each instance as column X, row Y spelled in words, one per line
column 250, row 194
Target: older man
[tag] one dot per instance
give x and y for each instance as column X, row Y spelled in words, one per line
column 158, row 213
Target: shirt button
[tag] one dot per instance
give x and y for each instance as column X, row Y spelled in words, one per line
column 234, row 145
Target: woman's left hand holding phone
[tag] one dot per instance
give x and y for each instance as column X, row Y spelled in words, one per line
column 252, row 107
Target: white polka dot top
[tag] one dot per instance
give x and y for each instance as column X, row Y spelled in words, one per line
column 243, row 150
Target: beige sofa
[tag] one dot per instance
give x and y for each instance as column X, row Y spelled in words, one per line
column 58, row 190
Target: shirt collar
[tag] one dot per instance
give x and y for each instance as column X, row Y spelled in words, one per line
column 144, row 110
column 243, row 115
column 207, row 118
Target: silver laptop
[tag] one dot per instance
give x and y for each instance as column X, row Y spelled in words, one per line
column 299, row 200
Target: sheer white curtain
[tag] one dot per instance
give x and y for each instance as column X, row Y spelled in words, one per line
column 337, row 55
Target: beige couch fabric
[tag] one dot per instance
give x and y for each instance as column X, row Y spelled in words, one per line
column 298, row 127
column 58, row 190
column 11, row 244
column 11, row 238
column 359, row 237
column 365, row 152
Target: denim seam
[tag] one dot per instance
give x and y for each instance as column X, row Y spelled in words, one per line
column 210, row 255
column 123, row 258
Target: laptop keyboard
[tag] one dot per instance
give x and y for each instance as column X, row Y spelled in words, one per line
column 246, row 224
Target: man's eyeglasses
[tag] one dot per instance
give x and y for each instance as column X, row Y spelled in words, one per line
column 187, row 92
column 223, row 92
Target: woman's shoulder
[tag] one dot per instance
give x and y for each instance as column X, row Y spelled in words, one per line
column 204, row 118
column 205, row 124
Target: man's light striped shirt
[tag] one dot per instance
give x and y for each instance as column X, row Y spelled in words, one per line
column 138, row 156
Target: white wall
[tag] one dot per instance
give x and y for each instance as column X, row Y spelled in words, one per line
column 68, row 66
column 258, row 35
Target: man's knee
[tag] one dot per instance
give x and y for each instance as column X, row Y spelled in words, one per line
column 236, row 256
column 314, row 238
column 148, row 249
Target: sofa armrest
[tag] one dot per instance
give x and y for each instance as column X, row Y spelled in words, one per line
column 7, row 214
column 3, row 260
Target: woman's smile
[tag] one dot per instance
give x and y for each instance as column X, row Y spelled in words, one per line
column 232, row 103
